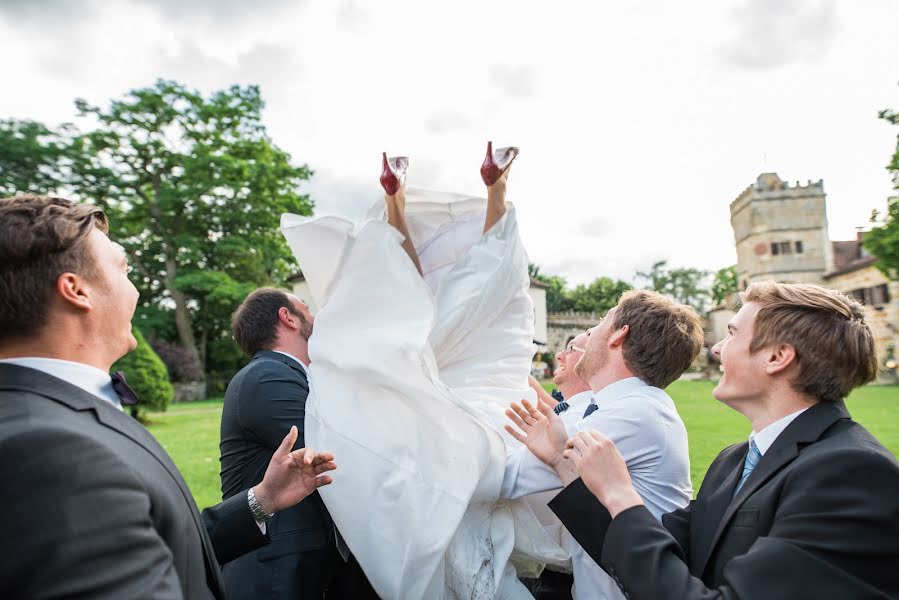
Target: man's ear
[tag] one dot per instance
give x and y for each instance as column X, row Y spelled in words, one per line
column 778, row 358
column 618, row 336
column 287, row 318
column 73, row 292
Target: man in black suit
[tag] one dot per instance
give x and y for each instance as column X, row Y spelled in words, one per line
column 93, row 507
column 262, row 402
column 808, row 508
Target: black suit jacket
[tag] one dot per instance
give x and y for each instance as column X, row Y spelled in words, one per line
column 93, row 507
column 263, row 400
column 817, row 518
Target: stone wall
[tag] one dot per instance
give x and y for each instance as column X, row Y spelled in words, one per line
column 562, row 326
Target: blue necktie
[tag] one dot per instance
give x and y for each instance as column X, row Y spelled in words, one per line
column 590, row 410
column 561, row 407
column 752, row 459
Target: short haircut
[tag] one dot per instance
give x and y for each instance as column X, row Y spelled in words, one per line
column 41, row 237
column 834, row 346
column 664, row 337
column 255, row 322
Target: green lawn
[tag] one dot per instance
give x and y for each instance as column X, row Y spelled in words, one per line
column 190, row 431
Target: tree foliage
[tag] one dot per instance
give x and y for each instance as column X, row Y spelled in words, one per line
column 725, row 282
column 194, row 189
column 598, row 296
column 883, row 239
column 686, row 285
column 147, row 376
column 31, row 157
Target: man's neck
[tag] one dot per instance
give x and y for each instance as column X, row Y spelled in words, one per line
column 607, row 376
column 773, row 406
column 301, row 354
column 41, row 348
column 570, row 391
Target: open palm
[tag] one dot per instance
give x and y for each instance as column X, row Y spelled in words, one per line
column 540, row 429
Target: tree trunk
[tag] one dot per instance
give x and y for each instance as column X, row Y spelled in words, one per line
column 182, row 316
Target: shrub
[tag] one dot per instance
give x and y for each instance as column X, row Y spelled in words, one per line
column 147, row 376
column 178, row 360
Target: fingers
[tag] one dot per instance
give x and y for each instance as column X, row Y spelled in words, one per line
column 532, row 412
column 515, row 434
column 287, row 443
column 323, row 480
column 546, row 409
column 516, row 414
column 324, row 467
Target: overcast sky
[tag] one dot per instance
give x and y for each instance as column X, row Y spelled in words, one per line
column 639, row 122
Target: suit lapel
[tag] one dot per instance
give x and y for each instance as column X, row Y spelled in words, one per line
column 713, row 509
column 807, row 428
column 14, row 377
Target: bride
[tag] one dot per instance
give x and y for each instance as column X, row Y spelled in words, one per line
column 413, row 363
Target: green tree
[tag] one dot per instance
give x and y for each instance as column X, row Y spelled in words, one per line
column 31, row 157
column 686, row 285
column 147, row 376
column 883, row 239
column 599, row 296
column 725, row 282
column 194, row 188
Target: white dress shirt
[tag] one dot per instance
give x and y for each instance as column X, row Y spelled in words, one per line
column 92, row 380
column 644, row 424
column 765, row 437
column 299, row 362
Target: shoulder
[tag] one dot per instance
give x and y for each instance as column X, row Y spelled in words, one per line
column 850, row 453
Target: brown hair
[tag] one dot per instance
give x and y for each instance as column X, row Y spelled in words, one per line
column 834, row 346
column 41, row 238
column 664, row 337
column 255, row 322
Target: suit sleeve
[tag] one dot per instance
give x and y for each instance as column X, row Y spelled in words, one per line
column 828, row 536
column 77, row 523
column 272, row 398
column 232, row 528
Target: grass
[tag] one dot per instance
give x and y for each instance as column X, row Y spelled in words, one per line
column 190, row 431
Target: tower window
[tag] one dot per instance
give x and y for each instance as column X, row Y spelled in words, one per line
column 799, row 247
column 775, row 248
column 786, row 248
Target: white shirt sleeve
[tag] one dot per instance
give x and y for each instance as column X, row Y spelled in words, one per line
column 526, row 474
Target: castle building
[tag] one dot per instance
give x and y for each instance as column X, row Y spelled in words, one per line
column 780, row 231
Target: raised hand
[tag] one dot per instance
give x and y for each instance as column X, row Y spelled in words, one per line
column 603, row 470
column 540, row 429
column 542, row 396
column 291, row 476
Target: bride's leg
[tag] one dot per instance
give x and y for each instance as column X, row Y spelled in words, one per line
column 496, row 201
column 396, row 216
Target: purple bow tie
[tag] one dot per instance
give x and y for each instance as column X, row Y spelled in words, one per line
column 122, row 389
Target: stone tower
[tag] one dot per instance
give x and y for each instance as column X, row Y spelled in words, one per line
column 781, row 231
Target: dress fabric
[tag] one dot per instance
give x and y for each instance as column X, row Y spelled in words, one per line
column 412, row 376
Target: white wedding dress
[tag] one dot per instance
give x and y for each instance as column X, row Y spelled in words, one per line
column 409, row 381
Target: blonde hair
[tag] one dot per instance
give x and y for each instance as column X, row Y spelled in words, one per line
column 834, row 346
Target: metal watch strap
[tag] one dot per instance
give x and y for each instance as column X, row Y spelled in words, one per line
column 260, row 515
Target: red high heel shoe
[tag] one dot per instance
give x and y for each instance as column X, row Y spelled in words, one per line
column 496, row 163
column 393, row 173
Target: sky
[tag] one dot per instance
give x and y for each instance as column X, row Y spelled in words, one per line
column 638, row 122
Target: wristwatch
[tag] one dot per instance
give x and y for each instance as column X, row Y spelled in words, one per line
column 260, row 515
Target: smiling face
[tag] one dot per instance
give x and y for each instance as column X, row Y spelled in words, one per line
column 564, row 376
column 744, row 377
column 597, row 348
column 113, row 296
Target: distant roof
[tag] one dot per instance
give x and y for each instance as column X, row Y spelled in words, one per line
column 538, row 284
column 298, row 276
column 848, row 256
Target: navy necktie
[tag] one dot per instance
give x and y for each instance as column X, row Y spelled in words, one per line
column 590, row 410
column 126, row 395
column 561, row 407
column 752, row 459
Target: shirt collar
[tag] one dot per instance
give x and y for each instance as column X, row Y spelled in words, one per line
column 618, row 389
column 90, row 379
column 299, row 362
column 765, row 438
column 580, row 398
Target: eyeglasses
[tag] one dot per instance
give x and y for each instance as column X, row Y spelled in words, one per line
column 572, row 348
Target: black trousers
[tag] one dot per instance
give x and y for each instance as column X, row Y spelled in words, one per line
column 551, row 585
